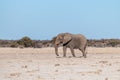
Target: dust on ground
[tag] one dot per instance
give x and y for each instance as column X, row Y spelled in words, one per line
column 42, row 64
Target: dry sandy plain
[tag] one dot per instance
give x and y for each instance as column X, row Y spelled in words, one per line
column 42, row 64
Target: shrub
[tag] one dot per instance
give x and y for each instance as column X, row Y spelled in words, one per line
column 14, row 44
column 25, row 41
column 114, row 42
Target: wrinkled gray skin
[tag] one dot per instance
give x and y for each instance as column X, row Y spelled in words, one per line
column 72, row 41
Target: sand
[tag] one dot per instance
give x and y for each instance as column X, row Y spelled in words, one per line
column 42, row 64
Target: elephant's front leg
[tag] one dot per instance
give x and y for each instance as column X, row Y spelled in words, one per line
column 72, row 51
column 56, row 50
column 64, row 51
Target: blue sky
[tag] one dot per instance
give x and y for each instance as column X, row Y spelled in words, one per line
column 44, row 19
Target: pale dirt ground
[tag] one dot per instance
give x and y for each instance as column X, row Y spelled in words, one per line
column 42, row 64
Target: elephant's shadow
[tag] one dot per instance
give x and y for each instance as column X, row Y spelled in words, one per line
column 58, row 57
column 69, row 57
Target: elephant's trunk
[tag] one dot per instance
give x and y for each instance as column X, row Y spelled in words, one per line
column 56, row 50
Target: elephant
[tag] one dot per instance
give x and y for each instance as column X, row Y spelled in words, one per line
column 72, row 41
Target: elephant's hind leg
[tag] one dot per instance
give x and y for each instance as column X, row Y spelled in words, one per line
column 83, row 52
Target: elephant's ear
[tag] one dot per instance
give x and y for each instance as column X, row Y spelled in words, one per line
column 66, row 39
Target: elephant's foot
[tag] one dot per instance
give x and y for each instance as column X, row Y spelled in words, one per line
column 57, row 55
column 85, row 56
column 64, row 55
column 74, row 56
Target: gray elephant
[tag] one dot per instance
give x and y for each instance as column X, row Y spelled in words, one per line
column 72, row 41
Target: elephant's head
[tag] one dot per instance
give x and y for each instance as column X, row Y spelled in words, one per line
column 63, row 38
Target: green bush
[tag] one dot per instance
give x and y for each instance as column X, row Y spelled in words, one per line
column 14, row 44
column 113, row 42
column 25, row 41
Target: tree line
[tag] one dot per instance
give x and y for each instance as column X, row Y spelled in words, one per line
column 28, row 42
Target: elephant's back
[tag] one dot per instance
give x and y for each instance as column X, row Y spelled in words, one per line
column 80, row 36
column 81, row 39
